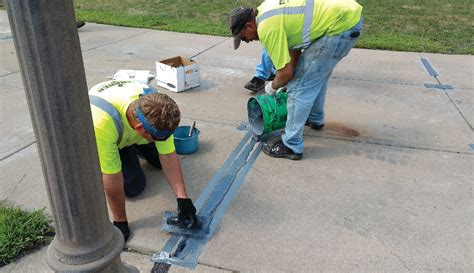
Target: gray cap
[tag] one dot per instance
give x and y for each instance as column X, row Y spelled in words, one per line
column 238, row 17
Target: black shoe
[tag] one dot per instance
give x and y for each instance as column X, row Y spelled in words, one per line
column 314, row 126
column 255, row 84
column 271, row 77
column 80, row 24
column 278, row 149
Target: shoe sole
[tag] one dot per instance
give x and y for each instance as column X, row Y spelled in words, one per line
column 255, row 90
column 287, row 156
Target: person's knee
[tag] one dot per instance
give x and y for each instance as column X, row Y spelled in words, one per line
column 154, row 161
column 134, row 187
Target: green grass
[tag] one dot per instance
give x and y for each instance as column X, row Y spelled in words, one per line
column 438, row 26
column 21, row 231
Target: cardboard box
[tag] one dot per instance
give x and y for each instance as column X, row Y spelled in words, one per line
column 177, row 74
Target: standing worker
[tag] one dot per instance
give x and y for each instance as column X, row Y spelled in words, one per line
column 131, row 119
column 305, row 40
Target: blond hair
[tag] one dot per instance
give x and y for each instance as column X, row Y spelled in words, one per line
column 160, row 110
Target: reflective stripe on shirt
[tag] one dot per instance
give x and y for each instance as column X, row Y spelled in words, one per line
column 111, row 111
column 307, row 11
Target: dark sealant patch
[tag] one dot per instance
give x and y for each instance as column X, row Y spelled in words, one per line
column 435, row 75
column 438, row 86
column 428, row 67
column 6, row 37
column 213, row 202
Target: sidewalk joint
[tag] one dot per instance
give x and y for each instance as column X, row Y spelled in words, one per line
column 395, row 145
column 17, row 151
column 8, row 74
column 199, row 53
column 116, row 41
column 443, row 87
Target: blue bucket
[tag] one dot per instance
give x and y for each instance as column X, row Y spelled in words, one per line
column 185, row 144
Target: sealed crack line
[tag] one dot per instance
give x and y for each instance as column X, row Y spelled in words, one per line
column 432, row 72
column 213, row 203
column 443, row 87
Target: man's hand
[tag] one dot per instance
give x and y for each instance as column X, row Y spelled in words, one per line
column 269, row 89
column 186, row 215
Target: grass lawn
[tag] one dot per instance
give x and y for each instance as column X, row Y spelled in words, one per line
column 21, row 231
column 406, row 25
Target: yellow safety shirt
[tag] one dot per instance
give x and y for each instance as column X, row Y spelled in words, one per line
column 294, row 24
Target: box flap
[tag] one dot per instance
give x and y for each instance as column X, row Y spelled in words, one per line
column 177, row 61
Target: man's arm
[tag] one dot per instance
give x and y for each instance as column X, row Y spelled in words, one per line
column 115, row 194
column 285, row 74
column 173, row 174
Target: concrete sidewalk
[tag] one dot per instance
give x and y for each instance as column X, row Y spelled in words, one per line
column 395, row 197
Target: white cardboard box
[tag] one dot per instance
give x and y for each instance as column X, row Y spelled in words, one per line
column 177, row 74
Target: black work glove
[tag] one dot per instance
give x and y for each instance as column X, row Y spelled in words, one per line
column 123, row 226
column 186, row 214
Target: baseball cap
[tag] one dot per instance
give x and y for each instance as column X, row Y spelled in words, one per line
column 238, row 17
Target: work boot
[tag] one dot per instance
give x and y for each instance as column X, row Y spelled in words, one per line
column 255, row 84
column 314, row 126
column 279, row 150
column 271, row 77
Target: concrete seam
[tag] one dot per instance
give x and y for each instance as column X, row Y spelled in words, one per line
column 374, row 142
column 199, row 53
column 11, row 73
column 18, row 184
column 15, row 87
column 17, row 151
column 116, row 41
column 214, row 202
column 459, row 110
column 366, row 140
column 393, row 253
column 435, row 75
column 337, row 78
column 377, row 81
column 218, row 267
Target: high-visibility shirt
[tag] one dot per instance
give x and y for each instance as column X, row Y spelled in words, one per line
column 295, row 24
column 120, row 95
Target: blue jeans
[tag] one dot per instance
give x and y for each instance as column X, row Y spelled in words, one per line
column 265, row 68
column 307, row 90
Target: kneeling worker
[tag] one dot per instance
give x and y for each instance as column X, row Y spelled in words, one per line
column 131, row 119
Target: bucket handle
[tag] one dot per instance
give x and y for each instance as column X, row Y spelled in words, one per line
column 198, row 132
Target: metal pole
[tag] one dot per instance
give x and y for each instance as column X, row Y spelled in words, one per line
column 49, row 53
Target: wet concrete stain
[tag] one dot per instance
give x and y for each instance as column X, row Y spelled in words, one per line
column 341, row 129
